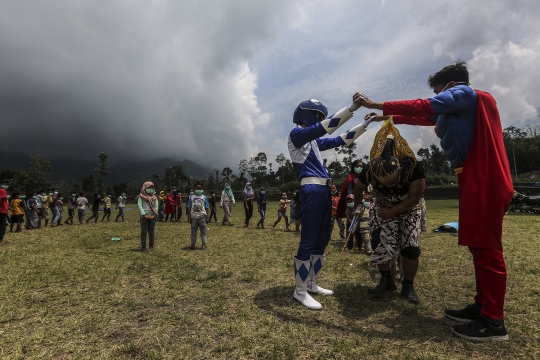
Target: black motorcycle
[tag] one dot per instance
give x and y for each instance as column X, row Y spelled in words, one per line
column 524, row 203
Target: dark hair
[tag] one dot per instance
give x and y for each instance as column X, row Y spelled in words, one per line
column 457, row 71
column 95, row 194
column 81, row 192
column 15, row 194
column 353, row 165
column 198, row 183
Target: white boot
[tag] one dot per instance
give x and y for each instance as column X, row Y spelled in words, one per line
column 316, row 265
column 301, row 273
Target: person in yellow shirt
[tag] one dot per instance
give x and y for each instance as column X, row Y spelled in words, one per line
column 16, row 207
column 45, row 207
column 107, row 207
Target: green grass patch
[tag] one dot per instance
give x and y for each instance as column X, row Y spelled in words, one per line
column 71, row 292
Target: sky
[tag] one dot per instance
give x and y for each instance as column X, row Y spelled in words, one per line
column 218, row 81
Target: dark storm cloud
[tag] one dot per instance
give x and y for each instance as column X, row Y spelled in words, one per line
column 135, row 79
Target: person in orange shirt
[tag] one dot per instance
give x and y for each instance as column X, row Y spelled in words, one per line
column 16, row 207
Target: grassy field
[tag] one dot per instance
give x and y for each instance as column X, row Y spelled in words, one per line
column 71, row 292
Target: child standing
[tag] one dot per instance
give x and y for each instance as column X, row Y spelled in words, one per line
column 248, row 195
column 148, row 204
column 295, row 212
column 349, row 214
column 107, row 207
column 198, row 215
column 120, row 205
column 72, row 205
column 31, row 210
column 364, row 227
column 227, row 200
column 262, row 200
column 17, row 212
column 82, row 203
column 282, row 211
column 58, row 207
column 335, row 202
column 212, row 200
column 95, row 208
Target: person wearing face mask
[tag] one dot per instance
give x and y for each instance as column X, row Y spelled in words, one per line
column 348, row 187
column 4, row 206
column 198, row 215
column 161, row 209
column 106, row 207
column 335, row 203
column 16, row 206
column 262, row 200
column 212, row 201
column 248, row 194
column 72, row 205
column 295, row 212
column 147, row 204
column 169, row 205
column 226, row 201
column 178, row 199
column 120, row 205
column 364, row 229
column 468, row 123
column 31, row 211
column 191, row 192
column 58, row 207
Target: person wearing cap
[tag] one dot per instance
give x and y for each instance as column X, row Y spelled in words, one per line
column 397, row 183
column 305, row 143
column 4, row 206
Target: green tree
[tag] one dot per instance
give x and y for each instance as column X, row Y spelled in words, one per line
column 174, row 175
column 280, row 160
column 34, row 178
column 88, row 185
column 226, row 174
column 102, row 171
column 119, row 188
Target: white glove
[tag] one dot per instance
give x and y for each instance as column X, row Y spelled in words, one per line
column 353, row 107
column 368, row 121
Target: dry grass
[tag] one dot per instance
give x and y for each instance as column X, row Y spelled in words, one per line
column 71, row 292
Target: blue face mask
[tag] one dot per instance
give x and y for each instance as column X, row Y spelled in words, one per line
column 358, row 170
column 5, row 187
column 350, row 204
column 198, row 192
column 263, row 192
column 228, row 187
column 366, row 204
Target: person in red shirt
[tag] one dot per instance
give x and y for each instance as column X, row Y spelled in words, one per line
column 4, row 205
column 169, row 206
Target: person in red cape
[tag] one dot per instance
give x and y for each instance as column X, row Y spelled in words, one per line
column 348, row 187
column 467, row 122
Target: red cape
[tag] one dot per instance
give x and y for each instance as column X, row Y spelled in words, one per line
column 342, row 204
column 485, row 184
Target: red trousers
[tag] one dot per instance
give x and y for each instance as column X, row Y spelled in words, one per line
column 490, row 272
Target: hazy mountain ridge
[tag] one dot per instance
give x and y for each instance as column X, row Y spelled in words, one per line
column 74, row 170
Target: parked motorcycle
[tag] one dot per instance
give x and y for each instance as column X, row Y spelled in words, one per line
column 524, row 203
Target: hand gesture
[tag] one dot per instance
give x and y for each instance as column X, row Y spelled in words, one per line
column 376, row 117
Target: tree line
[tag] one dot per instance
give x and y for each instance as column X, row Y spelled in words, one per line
column 522, row 148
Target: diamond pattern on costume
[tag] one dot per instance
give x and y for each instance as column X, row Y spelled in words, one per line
column 334, row 122
column 317, row 266
column 303, row 271
column 350, row 135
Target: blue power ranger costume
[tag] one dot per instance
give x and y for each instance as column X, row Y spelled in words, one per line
column 305, row 144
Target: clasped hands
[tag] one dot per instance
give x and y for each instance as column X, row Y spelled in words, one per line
column 361, row 99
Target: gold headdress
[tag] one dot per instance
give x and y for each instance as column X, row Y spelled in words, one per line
column 401, row 149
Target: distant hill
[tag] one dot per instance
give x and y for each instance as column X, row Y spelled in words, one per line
column 72, row 170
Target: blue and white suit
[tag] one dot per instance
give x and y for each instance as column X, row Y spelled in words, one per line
column 305, row 145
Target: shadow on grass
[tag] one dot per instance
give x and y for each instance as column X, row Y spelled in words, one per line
column 359, row 308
